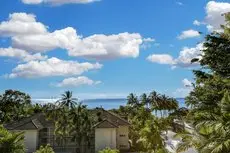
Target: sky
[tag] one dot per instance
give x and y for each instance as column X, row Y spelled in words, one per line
column 103, row 48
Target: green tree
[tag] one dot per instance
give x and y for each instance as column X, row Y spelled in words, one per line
column 68, row 100
column 150, row 137
column 209, row 101
column 14, row 105
column 81, row 128
column 11, row 142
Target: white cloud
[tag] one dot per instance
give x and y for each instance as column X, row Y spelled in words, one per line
column 28, row 34
column 215, row 11
column 181, row 92
column 52, row 67
column 183, row 60
column 77, row 81
column 148, row 43
column 187, row 54
column 98, row 46
column 186, row 82
column 20, row 54
column 179, row 3
column 198, row 23
column 149, row 40
column 58, row 2
column 21, row 24
column 189, row 34
column 184, row 91
column 161, row 59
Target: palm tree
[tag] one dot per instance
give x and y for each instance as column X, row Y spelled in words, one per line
column 150, row 137
column 81, row 127
column 67, row 100
column 132, row 100
column 144, row 100
column 154, row 99
column 11, row 142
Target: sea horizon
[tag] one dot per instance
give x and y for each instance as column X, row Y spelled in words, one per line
column 106, row 103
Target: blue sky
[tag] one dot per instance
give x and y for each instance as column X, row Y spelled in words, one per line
column 103, row 49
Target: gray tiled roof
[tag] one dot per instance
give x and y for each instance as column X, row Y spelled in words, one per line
column 39, row 121
column 105, row 124
column 35, row 122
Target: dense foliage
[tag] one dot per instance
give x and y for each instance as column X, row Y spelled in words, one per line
column 108, row 150
column 46, row 149
column 11, row 142
column 209, row 101
column 72, row 121
column 15, row 105
column 147, row 130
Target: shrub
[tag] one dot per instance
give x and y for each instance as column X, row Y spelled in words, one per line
column 108, row 150
column 46, row 149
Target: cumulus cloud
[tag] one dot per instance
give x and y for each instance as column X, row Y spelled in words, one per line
column 77, row 81
column 21, row 24
column 183, row 60
column 184, row 91
column 20, row 54
column 52, row 67
column 98, row 46
column 187, row 54
column 189, row 34
column 161, row 59
column 181, row 92
column 198, row 23
column 58, row 2
column 28, row 34
column 215, row 11
column 186, row 82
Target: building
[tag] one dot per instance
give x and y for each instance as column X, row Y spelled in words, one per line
column 111, row 131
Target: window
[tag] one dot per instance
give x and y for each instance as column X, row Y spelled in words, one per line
column 122, row 135
column 123, row 146
column 44, row 140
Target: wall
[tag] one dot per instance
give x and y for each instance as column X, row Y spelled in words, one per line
column 105, row 137
column 31, row 140
column 123, row 138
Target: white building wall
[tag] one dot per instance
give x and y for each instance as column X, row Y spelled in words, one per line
column 123, row 137
column 31, row 140
column 105, row 137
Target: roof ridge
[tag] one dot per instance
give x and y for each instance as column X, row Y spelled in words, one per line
column 114, row 114
column 104, row 121
column 32, row 120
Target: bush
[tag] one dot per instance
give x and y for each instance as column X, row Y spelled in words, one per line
column 46, row 149
column 108, row 150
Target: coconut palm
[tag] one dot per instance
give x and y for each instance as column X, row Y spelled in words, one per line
column 150, row 137
column 132, row 100
column 154, row 99
column 67, row 100
column 81, row 127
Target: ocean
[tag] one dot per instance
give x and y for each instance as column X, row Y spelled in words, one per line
column 105, row 103
column 115, row 103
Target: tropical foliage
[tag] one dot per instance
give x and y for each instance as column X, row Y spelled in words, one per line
column 108, row 150
column 46, row 149
column 11, row 142
column 72, row 121
column 209, row 101
column 147, row 130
